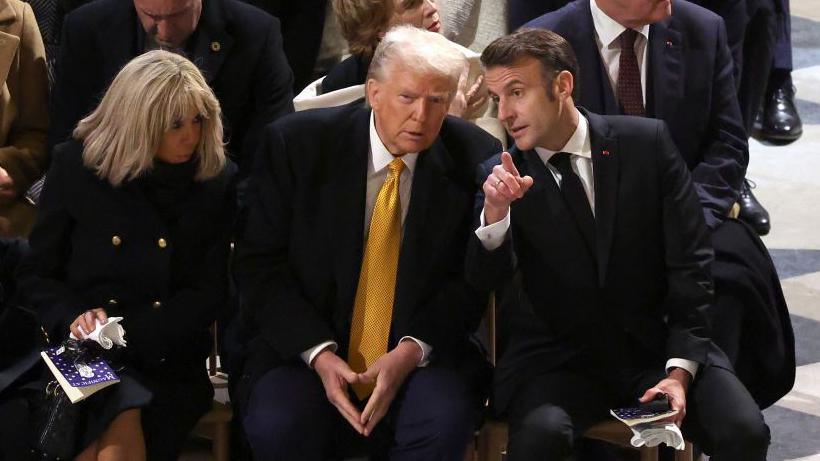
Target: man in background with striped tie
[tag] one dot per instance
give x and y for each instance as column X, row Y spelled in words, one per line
column 351, row 270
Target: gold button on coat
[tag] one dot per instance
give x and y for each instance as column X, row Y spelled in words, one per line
column 216, row 46
column 157, row 304
column 162, row 243
column 116, row 240
column 112, row 302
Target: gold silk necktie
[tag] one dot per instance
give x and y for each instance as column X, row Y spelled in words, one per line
column 373, row 309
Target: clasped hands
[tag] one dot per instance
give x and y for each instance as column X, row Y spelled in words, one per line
column 388, row 372
column 502, row 187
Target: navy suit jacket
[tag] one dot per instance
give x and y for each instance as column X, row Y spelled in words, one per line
column 299, row 257
column 690, row 86
column 236, row 46
column 628, row 297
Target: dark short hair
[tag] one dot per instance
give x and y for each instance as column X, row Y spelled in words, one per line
column 552, row 50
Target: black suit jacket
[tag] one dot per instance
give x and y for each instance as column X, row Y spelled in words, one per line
column 632, row 297
column 248, row 71
column 169, row 296
column 350, row 72
column 690, row 86
column 299, row 257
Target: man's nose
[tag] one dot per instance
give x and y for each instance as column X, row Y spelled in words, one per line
column 163, row 29
column 503, row 111
column 421, row 109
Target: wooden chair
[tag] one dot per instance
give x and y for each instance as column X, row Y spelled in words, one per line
column 491, row 441
column 215, row 425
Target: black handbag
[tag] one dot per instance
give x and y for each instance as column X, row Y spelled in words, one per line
column 58, row 418
column 57, row 430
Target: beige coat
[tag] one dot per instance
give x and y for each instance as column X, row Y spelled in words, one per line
column 23, row 111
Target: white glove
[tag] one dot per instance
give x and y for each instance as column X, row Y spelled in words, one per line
column 106, row 335
column 653, row 434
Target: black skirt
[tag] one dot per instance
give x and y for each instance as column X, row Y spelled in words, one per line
column 172, row 398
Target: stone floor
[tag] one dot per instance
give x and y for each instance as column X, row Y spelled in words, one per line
column 789, row 187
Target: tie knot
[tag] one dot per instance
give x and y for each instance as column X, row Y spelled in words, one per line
column 560, row 160
column 627, row 39
column 396, row 167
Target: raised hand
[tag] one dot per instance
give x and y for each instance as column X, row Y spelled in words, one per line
column 502, row 187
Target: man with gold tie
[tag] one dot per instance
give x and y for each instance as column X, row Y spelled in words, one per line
column 351, row 270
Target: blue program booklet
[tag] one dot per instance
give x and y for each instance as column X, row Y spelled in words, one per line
column 654, row 410
column 79, row 379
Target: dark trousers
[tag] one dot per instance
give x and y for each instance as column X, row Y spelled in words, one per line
column 550, row 412
column 751, row 27
column 288, row 417
column 783, row 45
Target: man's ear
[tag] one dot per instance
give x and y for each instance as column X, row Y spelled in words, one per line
column 564, row 84
column 372, row 90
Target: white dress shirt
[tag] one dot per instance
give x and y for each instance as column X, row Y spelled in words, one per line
column 607, row 31
column 493, row 236
column 377, row 171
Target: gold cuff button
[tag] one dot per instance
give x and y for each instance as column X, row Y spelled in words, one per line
column 162, row 243
column 116, row 240
column 157, row 304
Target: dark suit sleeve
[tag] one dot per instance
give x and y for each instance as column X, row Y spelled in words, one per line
column 41, row 275
column 272, row 91
column 688, row 257
column 720, row 173
column 73, row 92
column 485, row 268
column 271, row 297
column 457, row 307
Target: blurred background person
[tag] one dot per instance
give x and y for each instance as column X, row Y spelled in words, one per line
column 23, row 114
column 237, row 47
column 134, row 221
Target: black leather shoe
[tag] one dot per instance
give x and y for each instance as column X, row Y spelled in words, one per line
column 780, row 121
column 751, row 211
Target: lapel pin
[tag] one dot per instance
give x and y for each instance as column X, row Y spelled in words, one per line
column 215, row 47
column 605, row 153
column 669, row 43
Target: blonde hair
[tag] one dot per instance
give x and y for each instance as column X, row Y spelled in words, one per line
column 150, row 94
column 418, row 49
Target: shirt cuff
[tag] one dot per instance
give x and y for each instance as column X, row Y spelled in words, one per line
column 426, row 349
column 493, row 236
column 311, row 353
column 688, row 365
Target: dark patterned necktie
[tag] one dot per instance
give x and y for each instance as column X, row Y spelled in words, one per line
column 630, row 95
column 574, row 195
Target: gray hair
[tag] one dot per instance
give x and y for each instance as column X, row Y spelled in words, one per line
column 418, row 49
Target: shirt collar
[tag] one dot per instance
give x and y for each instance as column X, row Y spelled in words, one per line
column 578, row 143
column 380, row 157
column 608, row 29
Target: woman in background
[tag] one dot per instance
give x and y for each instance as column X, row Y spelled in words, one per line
column 134, row 221
column 364, row 23
column 23, row 114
